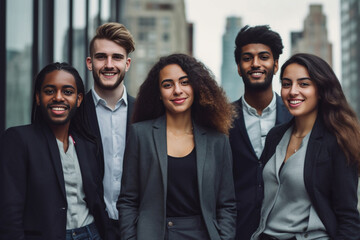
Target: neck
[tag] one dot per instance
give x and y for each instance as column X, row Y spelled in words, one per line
column 304, row 124
column 110, row 96
column 179, row 123
column 61, row 133
column 259, row 99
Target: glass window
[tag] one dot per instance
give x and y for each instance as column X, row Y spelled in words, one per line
column 19, row 35
column 61, row 29
column 79, row 42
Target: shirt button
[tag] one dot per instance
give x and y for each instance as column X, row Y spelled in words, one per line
column 170, row 224
column 306, row 235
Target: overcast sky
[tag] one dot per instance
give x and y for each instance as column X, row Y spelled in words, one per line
column 283, row 16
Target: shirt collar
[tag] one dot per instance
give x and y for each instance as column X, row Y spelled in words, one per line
column 98, row 100
column 252, row 111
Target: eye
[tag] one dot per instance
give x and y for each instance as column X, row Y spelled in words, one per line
column 68, row 92
column 167, row 85
column 48, row 91
column 118, row 57
column 285, row 84
column 246, row 58
column 304, row 84
column 100, row 57
column 185, row 83
column 264, row 57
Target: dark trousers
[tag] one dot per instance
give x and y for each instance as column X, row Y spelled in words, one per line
column 264, row 236
column 88, row 232
column 113, row 230
column 189, row 228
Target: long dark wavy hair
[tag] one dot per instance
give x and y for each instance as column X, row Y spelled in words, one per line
column 210, row 108
column 334, row 109
column 79, row 122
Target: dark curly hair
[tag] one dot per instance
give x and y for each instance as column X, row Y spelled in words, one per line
column 210, row 108
column 334, row 109
column 258, row 34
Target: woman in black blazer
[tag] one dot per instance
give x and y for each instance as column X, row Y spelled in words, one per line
column 177, row 178
column 312, row 162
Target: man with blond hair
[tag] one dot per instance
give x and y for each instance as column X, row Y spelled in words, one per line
column 109, row 108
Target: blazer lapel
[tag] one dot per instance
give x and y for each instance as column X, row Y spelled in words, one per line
column 55, row 157
column 159, row 134
column 200, row 145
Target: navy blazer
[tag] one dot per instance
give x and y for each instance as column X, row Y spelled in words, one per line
column 142, row 201
column 247, row 170
column 330, row 181
column 33, row 199
column 93, row 123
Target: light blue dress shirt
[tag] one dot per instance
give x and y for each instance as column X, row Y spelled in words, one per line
column 258, row 126
column 112, row 124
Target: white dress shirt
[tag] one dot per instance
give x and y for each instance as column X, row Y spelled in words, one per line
column 258, row 126
column 112, row 124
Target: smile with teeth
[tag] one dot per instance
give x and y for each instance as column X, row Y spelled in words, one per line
column 109, row 74
column 256, row 74
column 295, row 103
column 58, row 110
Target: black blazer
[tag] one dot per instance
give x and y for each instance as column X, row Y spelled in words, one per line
column 330, row 182
column 33, row 198
column 94, row 124
column 142, row 201
column 247, row 169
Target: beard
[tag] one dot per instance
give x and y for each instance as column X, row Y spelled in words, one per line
column 258, row 86
column 101, row 85
column 50, row 121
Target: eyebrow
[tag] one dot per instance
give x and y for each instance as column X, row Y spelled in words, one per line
column 299, row 79
column 53, row 86
column 259, row 53
column 105, row 54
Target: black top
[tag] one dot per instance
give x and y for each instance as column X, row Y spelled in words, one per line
column 182, row 191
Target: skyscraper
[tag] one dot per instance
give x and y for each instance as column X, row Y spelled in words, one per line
column 159, row 28
column 230, row 79
column 314, row 37
column 350, row 51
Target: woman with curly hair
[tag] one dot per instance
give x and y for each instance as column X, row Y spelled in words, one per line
column 311, row 163
column 177, row 180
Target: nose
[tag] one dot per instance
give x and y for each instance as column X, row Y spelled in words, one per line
column 294, row 90
column 58, row 96
column 177, row 89
column 256, row 62
column 109, row 62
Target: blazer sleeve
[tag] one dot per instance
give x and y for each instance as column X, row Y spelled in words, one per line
column 226, row 204
column 12, row 185
column 128, row 202
column 344, row 195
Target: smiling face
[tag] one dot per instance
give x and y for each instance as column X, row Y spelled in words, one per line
column 298, row 92
column 58, row 98
column 176, row 92
column 257, row 66
column 108, row 64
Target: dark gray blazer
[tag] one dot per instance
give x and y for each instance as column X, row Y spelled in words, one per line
column 142, row 201
column 330, row 182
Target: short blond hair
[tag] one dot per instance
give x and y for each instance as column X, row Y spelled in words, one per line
column 115, row 32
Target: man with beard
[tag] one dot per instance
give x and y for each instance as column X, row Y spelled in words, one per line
column 259, row 109
column 49, row 177
column 109, row 108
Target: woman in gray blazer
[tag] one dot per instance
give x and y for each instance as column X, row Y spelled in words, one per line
column 312, row 162
column 177, row 178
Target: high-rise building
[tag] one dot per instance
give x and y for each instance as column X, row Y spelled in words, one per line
column 314, row 37
column 350, row 52
column 230, row 79
column 159, row 28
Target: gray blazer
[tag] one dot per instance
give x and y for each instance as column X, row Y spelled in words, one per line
column 142, row 201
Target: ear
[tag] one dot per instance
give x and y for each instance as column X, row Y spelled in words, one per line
column 238, row 67
column 276, row 66
column 80, row 97
column 89, row 63
column 127, row 64
column 37, row 99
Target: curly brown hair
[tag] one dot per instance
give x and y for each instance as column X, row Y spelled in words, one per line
column 211, row 107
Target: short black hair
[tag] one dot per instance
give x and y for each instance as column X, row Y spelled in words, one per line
column 258, row 34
